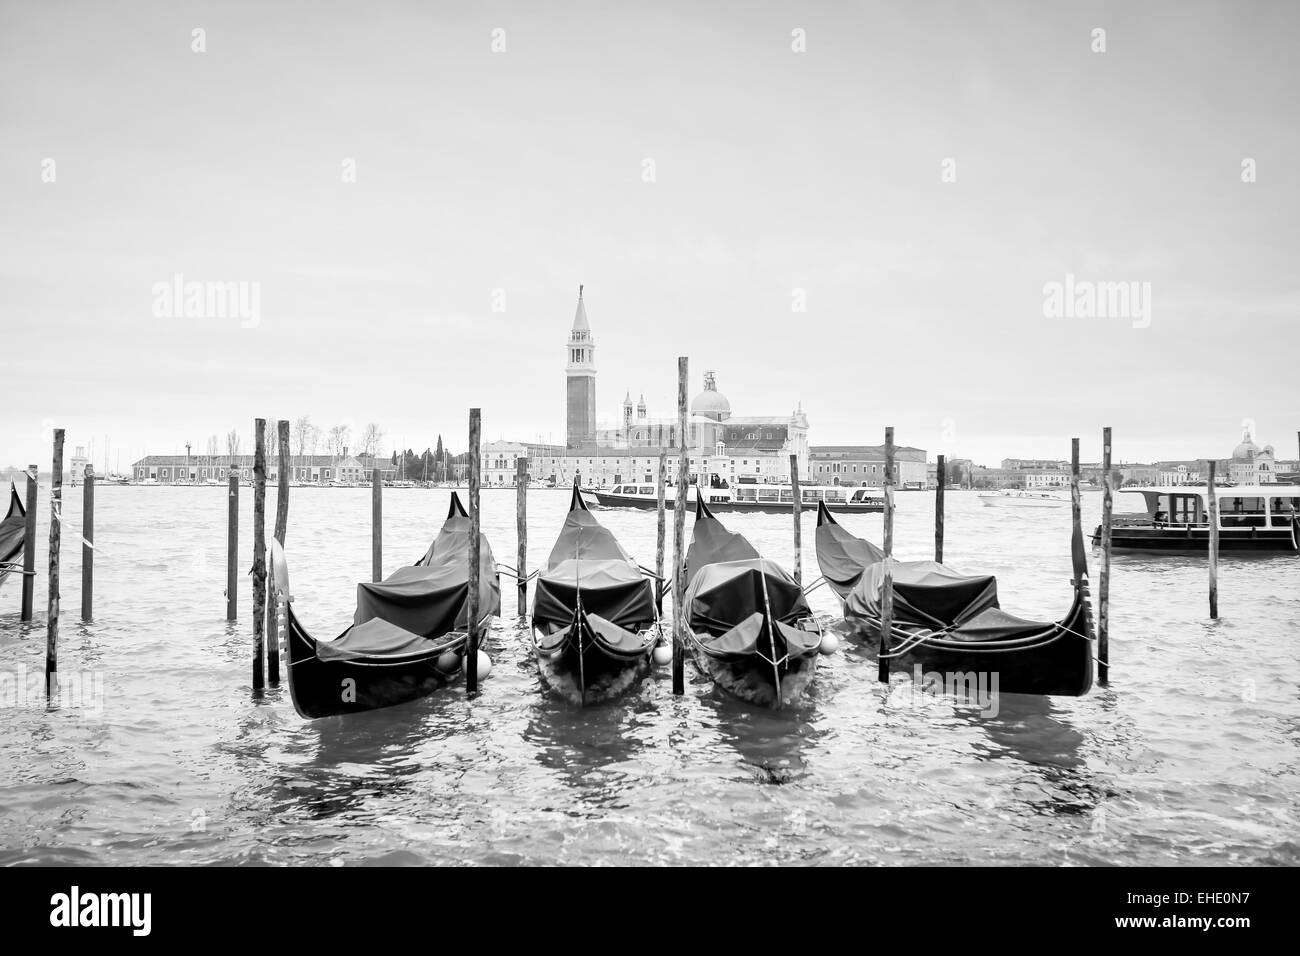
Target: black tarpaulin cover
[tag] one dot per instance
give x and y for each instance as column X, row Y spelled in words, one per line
column 588, row 557
column 374, row 638
column 13, row 532
column 428, row 599
column 926, row 594
column 724, row 594
column 731, row 590
column 711, row 542
column 841, row 556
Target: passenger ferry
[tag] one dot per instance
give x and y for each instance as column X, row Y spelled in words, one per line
column 1251, row 518
column 745, row 496
column 1010, row 498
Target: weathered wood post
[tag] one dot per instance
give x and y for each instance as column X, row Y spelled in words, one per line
column 259, row 551
column 797, row 507
column 1103, row 585
column 659, row 530
column 376, row 526
column 942, row 472
column 1212, row 498
column 521, row 531
column 232, row 547
column 475, row 519
column 281, row 529
column 887, row 585
column 679, row 532
column 282, row 484
column 56, row 530
column 87, row 543
column 29, row 546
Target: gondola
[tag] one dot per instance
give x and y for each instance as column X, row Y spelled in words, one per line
column 407, row 635
column 952, row 623
column 748, row 623
column 594, row 613
column 13, row 535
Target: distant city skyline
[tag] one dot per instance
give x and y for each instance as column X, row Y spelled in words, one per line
column 866, row 212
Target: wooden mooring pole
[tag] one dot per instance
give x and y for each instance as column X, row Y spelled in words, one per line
column 796, row 497
column 88, row 544
column 475, row 520
column 659, row 530
column 1103, row 584
column 281, row 529
column 1212, row 497
column 29, row 546
column 232, row 546
column 941, row 471
column 679, row 532
column 887, row 584
column 259, row 552
column 521, row 532
column 56, row 531
column 376, row 526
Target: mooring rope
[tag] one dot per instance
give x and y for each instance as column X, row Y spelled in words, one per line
column 55, row 511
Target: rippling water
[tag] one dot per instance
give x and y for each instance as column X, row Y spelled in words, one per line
column 1190, row 756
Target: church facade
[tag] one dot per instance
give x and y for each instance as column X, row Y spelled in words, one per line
column 628, row 447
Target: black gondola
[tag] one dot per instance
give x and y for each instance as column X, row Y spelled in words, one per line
column 594, row 613
column 13, row 535
column 952, row 623
column 748, row 621
column 407, row 634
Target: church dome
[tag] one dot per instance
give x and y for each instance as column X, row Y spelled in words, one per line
column 1247, row 450
column 711, row 403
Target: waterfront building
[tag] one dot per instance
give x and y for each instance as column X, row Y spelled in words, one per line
column 79, row 462
column 865, row 465
column 1046, row 480
column 309, row 469
column 1250, row 464
column 602, row 455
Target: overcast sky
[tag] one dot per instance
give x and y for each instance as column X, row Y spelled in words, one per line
column 774, row 171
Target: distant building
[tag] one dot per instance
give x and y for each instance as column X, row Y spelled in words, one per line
column 1180, row 475
column 628, row 448
column 79, row 463
column 865, row 465
column 313, row 469
column 1034, row 464
column 1250, row 464
column 580, row 376
column 1040, row 480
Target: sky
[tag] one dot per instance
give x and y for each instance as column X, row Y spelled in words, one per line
column 855, row 207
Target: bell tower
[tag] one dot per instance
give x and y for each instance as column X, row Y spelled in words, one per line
column 580, row 374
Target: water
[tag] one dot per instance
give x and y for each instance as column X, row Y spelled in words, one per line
column 1190, row 756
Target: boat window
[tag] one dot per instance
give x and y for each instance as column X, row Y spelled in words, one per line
column 1244, row 512
column 1186, row 510
column 746, row 494
column 1281, row 509
column 649, row 490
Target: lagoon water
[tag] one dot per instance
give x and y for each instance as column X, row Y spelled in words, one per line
column 164, row 755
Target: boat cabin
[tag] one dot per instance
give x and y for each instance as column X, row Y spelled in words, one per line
column 1240, row 506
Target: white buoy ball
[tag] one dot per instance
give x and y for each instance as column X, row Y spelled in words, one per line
column 448, row 662
column 484, row 665
column 663, row 654
column 830, row 643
